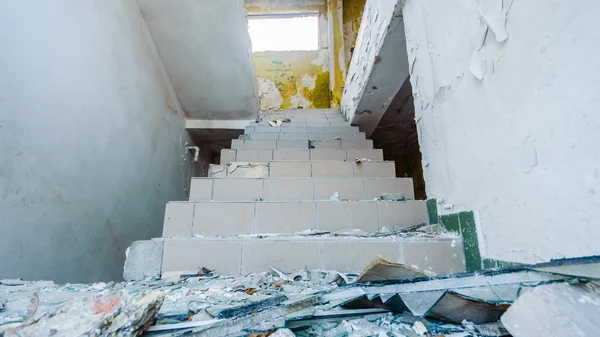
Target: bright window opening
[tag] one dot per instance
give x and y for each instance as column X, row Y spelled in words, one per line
column 285, row 33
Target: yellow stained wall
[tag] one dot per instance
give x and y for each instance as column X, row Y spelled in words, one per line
column 353, row 10
column 302, row 77
column 337, row 57
column 298, row 75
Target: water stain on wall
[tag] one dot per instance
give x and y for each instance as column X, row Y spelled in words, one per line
column 353, row 10
column 299, row 76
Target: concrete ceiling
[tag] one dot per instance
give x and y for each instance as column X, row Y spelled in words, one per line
column 206, row 50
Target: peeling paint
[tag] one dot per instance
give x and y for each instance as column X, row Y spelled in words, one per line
column 337, row 61
column 299, row 81
column 309, row 82
column 524, row 131
column 302, row 77
column 493, row 15
column 322, row 60
column 353, row 11
column 268, row 95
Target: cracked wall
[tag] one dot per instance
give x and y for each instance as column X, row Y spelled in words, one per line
column 505, row 94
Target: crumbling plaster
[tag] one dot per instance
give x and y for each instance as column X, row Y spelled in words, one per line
column 506, row 94
column 298, row 79
column 352, row 15
column 337, row 60
column 92, row 139
column 207, row 53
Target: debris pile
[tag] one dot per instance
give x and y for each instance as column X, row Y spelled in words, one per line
column 386, row 299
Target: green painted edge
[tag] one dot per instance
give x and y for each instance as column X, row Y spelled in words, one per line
column 432, row 211
column 463, row 223
column 493, row 263
column 468, row 231
column 451, row 222
column 490, row 263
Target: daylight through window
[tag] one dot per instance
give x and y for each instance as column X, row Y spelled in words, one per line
column 285, row 33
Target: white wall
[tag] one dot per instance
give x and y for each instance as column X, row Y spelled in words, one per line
column 207, row 52
column 519, row 146
column 90, row 138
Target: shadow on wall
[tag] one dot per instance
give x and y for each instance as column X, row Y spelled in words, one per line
column 396, row 134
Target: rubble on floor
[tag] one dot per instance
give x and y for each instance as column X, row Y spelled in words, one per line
column 387, row 299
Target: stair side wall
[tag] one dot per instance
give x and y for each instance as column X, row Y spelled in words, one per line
column 503, row 101
column 91, row 139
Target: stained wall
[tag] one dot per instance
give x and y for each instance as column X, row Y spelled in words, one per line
column 293, row 79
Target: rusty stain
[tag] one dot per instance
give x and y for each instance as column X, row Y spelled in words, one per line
column 105, row 308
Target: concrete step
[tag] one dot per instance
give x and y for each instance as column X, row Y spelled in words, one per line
column 261, row 156
column 301, row 112
column 243, row 255
column 306, row 169
column 213, row 218
column 308, row 124
column 254, row 127
column 268, row 144
column 303, row 135
column 297, row 117
column 288, row 189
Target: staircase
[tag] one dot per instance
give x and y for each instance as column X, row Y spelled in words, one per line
column 301, row 195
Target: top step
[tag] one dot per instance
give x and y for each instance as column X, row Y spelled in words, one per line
column 304, row 117
column 306, row 112
column 257, row 144
column 255, row 127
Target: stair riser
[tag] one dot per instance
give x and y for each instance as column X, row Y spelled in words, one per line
column 302, row 112
column 359, row 144
column 304, row 136
column 307, row 169
column 185, row 219
column 243, row 256
column 297, row 117
column 288, row 189
column 313, row 129
column 263, row 156
column 308, row 124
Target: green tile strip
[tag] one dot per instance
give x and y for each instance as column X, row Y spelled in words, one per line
column 468, row 231
column 432, row 211
column 463, row 223
column 492, row 263
column 451, row 222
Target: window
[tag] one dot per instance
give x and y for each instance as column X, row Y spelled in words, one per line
column 272, row 33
